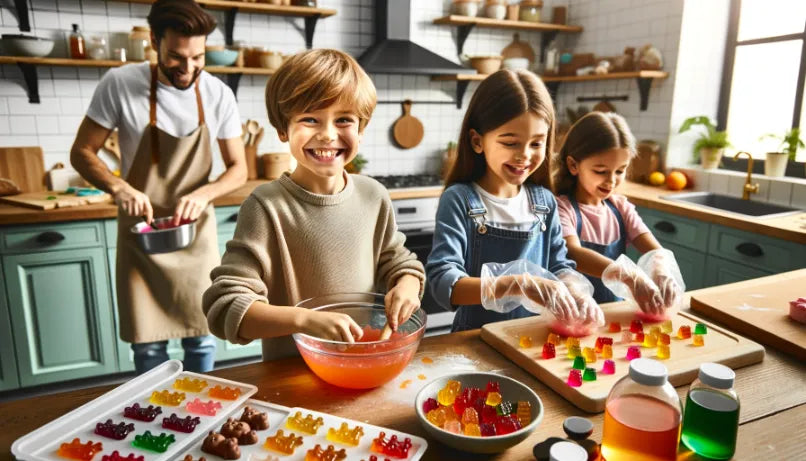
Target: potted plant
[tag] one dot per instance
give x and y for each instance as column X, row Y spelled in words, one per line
column 710, row 146
column 775, row 163
column 356, row 165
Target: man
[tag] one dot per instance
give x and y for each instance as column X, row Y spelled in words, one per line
column 166, row 116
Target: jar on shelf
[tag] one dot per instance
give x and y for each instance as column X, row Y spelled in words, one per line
column 530, row 10
column 465, row 7
column 97, row 48
column 139, row 39
column 495, row 9
column 77, row 46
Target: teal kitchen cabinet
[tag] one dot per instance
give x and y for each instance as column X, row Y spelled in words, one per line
column 721, row 271
column 226, row 219
column 691, row 264
column 8, row 363
column 61, row 310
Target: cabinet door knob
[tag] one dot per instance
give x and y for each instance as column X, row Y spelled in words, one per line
column 665, row 226
column 750, row 249
column 233, row 217
column 50, row 237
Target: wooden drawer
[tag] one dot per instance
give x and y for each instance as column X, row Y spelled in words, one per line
column 675, row 229
column 48, row 237
column 756, row 251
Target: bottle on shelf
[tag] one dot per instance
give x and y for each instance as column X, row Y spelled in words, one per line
column 77, row 46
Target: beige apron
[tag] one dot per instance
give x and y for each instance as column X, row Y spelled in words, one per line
column 159, row 296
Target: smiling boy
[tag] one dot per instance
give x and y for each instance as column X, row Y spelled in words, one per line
column 317, row 230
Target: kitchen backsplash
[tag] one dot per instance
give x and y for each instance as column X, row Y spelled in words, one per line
column 609, row 26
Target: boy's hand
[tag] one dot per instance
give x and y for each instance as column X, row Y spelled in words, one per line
column 402, row 300
column 331, row 326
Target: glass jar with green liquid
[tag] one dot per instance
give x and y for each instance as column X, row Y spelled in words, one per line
column 711, row 418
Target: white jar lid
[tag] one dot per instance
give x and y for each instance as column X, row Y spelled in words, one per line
column 716, row 375
column 648, row 372
column 567, row 451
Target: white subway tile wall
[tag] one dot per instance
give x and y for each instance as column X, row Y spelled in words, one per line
column 609, row 27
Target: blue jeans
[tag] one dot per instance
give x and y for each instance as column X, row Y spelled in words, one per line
column 199, row 354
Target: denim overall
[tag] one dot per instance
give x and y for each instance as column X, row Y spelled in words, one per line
column 495, row 245
column 613, row 250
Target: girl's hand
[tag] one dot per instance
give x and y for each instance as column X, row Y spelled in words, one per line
column 670, row 292
column 552, row 295
column 402, row 300
column 646, row 293
column 332, row 326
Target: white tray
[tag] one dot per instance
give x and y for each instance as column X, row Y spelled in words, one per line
column 277, row 418
column 43, row 443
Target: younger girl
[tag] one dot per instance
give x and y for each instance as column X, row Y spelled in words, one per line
column 597, row 224
column 497, row 208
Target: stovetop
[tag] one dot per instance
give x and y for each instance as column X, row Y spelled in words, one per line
column 408, row 181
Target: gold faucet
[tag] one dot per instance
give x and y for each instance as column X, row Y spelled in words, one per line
column 749, row 187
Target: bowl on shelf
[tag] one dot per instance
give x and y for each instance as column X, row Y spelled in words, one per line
column 368, row 363
column 511, row 390
column 486, row 64
column 26, row 45
column 515, row 63
column 219, row 56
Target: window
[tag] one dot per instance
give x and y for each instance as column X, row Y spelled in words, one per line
column 765, row 67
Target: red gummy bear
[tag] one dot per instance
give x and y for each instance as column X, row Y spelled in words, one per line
column 392, row 447
column 488, row 414
column 430, row 404
column 506, row 425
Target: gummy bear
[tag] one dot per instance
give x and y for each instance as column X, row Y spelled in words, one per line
column 506, row 425
column 226, row 393
column 392, row 447
column 525, row 342
column 282, row 443
column 664, row 351
column 579, row 363
column 700, row 329
column 504, row 408
column 574, row 378
column 221, row 446
column 589, row 354
column 488, row 414
column 639, row 337
column 553, row 339
column 168, row 398
column 571, row 341
column 650, row 340
column 549, row 351
column 601, row 341
column 492, row 386
column 142, row 414
column 589, row 375
column 636, row 326
column 487, row 429
column 328, row 454
column 473, row 430
column 524, row 413
column 607, row 351
column 190, row 385
column 470, row 416
column 684, row 332
column 666, row 326
column 626, row 337
column 346, row 435
column 158, row 443
column 80, row 451
column 453, row 426
column 437, row 417
column 430, row 404
column 114, row 431
column 460, row 404
column 698, row 340
column 187, row 424
column 308, row 425
column 447, row 394
column 493, row 399
column 574, row 352
column 655, row 330
column 664, row 339
column 633, row 352
column 116, row 456
column 609, row 367
column 614, row 327
column 209, row 408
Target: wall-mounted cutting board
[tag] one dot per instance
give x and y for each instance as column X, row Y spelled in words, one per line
column 41, row 200
column 408, row 130
column 720, row 346
column 759, row 309
column 23, row 165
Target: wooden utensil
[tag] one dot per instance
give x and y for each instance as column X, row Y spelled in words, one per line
column 24, row 166
column 252, row 128
column 254, row 134
column 760, row 310
column 519, row 49
column 112, row 144
column 407, row 130
column 386, row 333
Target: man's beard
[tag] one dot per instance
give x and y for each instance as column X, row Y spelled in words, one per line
column 170, row 74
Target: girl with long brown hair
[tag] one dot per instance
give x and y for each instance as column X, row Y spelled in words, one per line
column 497, row 208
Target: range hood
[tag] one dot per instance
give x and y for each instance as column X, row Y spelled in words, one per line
column 394, row 53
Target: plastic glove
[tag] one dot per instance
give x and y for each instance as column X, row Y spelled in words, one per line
column 662, row 268
column 628, row 281
column 582, row 290
column 504, row 287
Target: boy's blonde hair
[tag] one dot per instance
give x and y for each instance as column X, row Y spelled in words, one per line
column 316, row 79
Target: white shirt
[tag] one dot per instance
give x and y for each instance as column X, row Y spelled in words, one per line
column 507, row 213
column 121, row 101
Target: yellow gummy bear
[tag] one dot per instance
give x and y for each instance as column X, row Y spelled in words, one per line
column 493, row 399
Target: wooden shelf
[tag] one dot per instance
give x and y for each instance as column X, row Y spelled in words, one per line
column 28, row 66
column 253, row 7
column 644, row 78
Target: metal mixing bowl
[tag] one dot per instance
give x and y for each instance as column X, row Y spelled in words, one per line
column 164, row 240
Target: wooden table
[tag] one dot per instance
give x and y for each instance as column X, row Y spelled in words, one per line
column 772, row 395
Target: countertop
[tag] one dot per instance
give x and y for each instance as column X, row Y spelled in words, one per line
column 791, row 228
column 772, row 393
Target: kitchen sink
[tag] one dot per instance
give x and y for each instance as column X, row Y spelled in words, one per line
column 733, row 204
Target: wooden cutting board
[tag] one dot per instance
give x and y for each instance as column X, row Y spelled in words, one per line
column 721, row 346
column 23, row 165
column 41, row 201
column 407, row 131
column 759, row 309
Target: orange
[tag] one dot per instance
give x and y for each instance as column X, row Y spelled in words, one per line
column 657, row 178
column 676, row 180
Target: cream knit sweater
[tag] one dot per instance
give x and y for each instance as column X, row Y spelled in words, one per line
column 291, row 244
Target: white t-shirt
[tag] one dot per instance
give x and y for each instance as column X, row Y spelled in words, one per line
column 507, row 213
column 121, row 101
